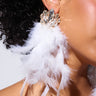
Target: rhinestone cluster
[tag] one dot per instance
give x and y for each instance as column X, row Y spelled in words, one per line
column 50, row 18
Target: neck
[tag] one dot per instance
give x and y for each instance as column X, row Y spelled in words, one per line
column 79, row 68
column 78, row 72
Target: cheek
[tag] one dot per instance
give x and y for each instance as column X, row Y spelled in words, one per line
column 78, row 22
column 89, row 16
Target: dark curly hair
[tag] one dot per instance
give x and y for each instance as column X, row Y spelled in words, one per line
column 16, row 18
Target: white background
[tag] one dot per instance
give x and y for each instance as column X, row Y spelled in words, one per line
column 10, row 68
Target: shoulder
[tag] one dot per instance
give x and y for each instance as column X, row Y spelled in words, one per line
column 13, row 90
column 38, row 88
column 34, row 90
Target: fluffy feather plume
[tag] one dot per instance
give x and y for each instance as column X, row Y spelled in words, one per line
column 46, row 50
column 93, row 92
column 46, row 59
column 92, row 78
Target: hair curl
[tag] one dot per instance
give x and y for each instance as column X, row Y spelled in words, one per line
column 16, row 18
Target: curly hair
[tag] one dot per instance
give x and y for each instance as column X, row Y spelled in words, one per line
column 16, row 18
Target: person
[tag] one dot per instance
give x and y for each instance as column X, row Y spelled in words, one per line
column 77, row 22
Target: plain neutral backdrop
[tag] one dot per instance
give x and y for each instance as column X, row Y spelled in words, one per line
column 10, row 67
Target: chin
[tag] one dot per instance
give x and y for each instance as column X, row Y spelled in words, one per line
column 92, row 58
column 87, row 57
column 91, row 61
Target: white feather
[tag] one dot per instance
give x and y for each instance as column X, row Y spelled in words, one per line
column 45, row 91
column 46, row 60
column 93, row 92
column 48, row 48
column 92, row 78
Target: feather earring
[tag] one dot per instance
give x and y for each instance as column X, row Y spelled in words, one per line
column 92, row 78
column 46, row 49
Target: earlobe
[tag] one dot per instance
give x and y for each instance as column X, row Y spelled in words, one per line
column 52, row 4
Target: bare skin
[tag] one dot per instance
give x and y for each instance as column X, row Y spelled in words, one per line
column 78, row 23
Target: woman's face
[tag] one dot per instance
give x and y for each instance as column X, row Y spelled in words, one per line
column 78, row 22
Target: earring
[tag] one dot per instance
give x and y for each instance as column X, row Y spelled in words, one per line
column 45, row 62
column 48, row 17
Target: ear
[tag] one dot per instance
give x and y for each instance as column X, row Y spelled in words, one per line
column 52, row 4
